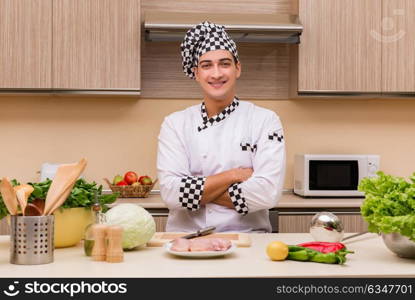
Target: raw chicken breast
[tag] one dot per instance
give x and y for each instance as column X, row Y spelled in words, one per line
column 180, row 245
column 209, row 244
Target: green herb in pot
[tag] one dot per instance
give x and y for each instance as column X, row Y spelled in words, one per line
column 82, row 195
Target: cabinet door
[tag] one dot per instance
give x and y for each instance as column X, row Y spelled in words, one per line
column 25, row 44
column 301, row 223
column 337, row 52
column 398, row 46
column 96, row 44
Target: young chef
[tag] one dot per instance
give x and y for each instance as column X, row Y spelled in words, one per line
column 222, row 162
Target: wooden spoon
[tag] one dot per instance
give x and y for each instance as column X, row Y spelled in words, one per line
column 23, row 192
column 62, row 184
column 40, row 203
column 35, row 208
column 9, row 196
column 32, row 210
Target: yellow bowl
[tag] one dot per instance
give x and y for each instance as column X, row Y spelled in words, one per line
column 70, row 225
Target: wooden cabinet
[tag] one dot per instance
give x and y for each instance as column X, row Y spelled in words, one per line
column 337, row 53
column 356, row 46
column 70, row 45
column 290, row 223
column 398, row 46
column 96, row 44
column 26, row 44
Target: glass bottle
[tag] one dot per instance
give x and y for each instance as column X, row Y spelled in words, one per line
column 99, row 218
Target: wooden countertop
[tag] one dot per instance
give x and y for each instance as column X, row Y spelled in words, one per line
column 288, row 200
column 371, row 259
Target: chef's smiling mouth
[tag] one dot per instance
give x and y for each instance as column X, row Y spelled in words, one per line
column 217, row 84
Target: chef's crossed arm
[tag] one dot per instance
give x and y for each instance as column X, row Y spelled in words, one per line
column 263, row 189
column 173, row 171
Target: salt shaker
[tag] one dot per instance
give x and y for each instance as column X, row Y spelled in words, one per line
column 99, row 235
column 114, row 252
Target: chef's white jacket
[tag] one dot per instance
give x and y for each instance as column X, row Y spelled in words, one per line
column 193, row 146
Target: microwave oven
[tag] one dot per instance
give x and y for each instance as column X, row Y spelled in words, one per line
column 332, row 175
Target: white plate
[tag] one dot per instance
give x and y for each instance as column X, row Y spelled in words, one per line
column 168, row 245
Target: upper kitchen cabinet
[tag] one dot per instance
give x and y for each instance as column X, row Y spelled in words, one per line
column 96, row 45
column 337, row 52
column 25, row 44
column 398, row 46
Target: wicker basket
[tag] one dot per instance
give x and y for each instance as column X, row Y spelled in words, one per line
column 128, row 191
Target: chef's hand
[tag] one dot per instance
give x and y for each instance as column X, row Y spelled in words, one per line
column 216, row 185
column 242, row 174
column 224, row 200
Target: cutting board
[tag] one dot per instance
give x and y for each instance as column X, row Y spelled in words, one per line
column 239, row 239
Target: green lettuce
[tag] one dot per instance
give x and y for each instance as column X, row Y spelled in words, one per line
column 389, row 204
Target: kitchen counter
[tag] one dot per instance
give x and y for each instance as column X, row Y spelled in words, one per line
column 371, row 259
column 288, row 200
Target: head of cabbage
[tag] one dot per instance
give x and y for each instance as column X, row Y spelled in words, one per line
column 139, row 226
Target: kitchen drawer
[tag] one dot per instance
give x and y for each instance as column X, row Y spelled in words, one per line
column 161, row 221
column 300, row 221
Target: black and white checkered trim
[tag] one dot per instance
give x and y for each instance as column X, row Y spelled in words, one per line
column 248, row 147
column 190, row 192
column 276, row 135
column 202, row 38
column 216, row 118
column 235, row 193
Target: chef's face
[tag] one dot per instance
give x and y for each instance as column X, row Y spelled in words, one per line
column 216, row 73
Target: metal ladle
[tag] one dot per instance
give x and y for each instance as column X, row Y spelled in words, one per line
column 354, row 235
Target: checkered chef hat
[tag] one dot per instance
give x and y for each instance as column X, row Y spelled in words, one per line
column 202, row 38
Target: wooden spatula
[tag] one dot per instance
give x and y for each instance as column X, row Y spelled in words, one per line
column 61, row 199
column 9, row 196
column 62, row 184
column 23, row 192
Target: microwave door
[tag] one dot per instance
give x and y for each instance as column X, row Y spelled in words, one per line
column 333, row 175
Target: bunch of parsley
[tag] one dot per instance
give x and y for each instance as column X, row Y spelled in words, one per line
column 389, row 204
column 82, row 195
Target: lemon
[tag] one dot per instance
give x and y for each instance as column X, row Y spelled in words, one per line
column 277, row 250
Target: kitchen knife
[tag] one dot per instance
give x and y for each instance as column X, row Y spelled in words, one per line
column 200, row 232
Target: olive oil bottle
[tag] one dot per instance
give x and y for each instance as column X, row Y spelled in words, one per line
column 99, row 218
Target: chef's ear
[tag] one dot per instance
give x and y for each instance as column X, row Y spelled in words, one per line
column 238, row 67
column 195, row 71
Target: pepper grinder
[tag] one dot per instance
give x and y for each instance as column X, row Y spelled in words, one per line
column 115, row 253
column 99, row 248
